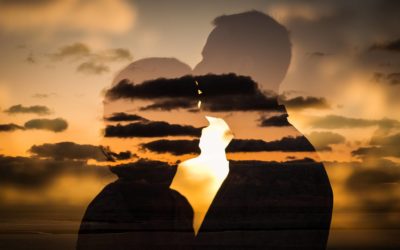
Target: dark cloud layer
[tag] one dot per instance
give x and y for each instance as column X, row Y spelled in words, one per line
column 180, row 147
column 211, row 85
column 68, row 150
column 301, row 102
column 74, row 151
column 55, row 125
column 393, row 45
column 286, row 144
column 226, row 92
column 36, row 109
column 10, row 127
column 31, row 173
column 175, row 147
column 150, row 171
column 219, row 93
column 151, row 129
column 275, row 121
column 171, row 104
column 121, row 117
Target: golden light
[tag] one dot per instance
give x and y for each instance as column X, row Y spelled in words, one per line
column 200, row 178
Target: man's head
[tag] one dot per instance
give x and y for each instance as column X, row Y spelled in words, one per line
column 250, row 44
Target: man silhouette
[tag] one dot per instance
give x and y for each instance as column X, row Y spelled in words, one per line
column 262, row 203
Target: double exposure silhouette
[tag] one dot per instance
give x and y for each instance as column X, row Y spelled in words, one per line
column 273, row 193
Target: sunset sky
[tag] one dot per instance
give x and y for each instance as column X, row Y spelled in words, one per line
column 60, row 58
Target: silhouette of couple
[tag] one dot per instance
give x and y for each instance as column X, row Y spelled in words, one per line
column 209, row 202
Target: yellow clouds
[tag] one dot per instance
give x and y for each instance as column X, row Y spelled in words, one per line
column 285, row 12
column 107, row 16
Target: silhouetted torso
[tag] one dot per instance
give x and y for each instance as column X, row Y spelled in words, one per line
column 260, row 205
column 137, row 213
column 270, row 205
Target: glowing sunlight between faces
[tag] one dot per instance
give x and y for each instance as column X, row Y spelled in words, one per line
column 200, row 178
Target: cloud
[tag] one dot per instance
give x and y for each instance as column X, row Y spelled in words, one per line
column 393, row 45
column 323, row 140
column 175, row 147
column 121, row 117
column 55, row 125
column 80, row 50
column 146, row 170
column 10, row 127
column 170, row 104
column 184, row 87
column 43, row 95
column 150, row 129
column 92, row 68
column 376, row 190
column 392, row 78
column 275, row 121
column 364, row 180
column 33, row 173
column 286, row 144
column 219, row 93
column 36, row 109
column 72, row 51
column 301, row 102
column 112, row 55
column 180, row 147
column 340, row 122
column 68, row 150
column 151, row 171
column 112, row 156
column 382, row 146
column 74, row 151
column 104, row 16
column 94, row 62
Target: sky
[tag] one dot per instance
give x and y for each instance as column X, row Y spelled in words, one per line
column 61, row 58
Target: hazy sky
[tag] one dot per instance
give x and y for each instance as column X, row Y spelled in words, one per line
column 58, row 58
